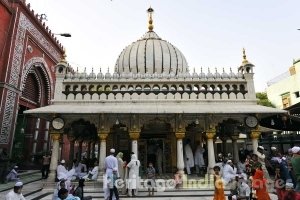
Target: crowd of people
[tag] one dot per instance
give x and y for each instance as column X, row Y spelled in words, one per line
column 250, row 179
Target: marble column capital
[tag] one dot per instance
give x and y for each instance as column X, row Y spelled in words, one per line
column 255, row 134
column 134, row 135
column 103, row 135
column 179, row 135
column 55, row 136
column 210, row 133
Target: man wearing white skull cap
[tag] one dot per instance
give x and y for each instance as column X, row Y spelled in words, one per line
column 16, row 193
column 110, row 163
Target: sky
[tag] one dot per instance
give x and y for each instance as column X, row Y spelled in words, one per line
column 210, row 33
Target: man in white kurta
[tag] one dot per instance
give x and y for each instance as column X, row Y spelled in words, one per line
column 16, row 193
column 110, row 163
column 188, row 157
column 228, row 172
column 63, row 173
column 199, row 160
column 133, row 178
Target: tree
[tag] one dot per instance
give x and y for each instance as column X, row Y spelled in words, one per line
column 262, row 99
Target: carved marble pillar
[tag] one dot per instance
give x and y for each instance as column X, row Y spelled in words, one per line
column 210, row 134
column 255, row 134
column 180, row 162
column 134, row 136
column 102, row 136
column 55, row 154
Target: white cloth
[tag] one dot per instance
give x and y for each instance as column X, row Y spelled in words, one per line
column 14, row 196
column 94, row 173
column 228, row 174
column 188, row 158
column 199, row 160
column 159, row 159
column 63, row 173
column 133, row 178
column 12, row 175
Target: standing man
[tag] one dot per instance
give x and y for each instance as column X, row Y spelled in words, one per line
column 189, row 157
column 46, row 165
column 16, row 193
column 199, row 160
column 110, row 163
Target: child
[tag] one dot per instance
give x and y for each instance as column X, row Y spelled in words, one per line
column 178, row 179
column 219, row 187
column 151, row 178
column 112, row 184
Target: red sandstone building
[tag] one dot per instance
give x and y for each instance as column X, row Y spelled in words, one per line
column 28, row 54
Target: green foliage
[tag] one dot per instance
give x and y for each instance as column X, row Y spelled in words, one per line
column 262, row 99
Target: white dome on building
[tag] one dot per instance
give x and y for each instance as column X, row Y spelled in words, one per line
column 151, row 54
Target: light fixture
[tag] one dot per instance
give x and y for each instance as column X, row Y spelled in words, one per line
column 218, row 141
column 117, row 122
column 272, row 122
column 197, row 121
column 22, row 130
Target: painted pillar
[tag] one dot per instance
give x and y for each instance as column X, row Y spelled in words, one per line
column 180, row 161
column 55, row 154
column 36, row 134
column 210, row 134
column 45, row 146
column 102, row 136
column 71, row 139
column 134, row 136
column 255, row 134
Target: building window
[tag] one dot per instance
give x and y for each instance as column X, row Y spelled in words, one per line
column 297, row 94
column 286, row 100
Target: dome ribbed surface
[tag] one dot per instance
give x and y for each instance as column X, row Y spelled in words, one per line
column 151, row 54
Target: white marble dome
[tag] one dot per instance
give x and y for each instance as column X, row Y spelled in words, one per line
column 151, row 54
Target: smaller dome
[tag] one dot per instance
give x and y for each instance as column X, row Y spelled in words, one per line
column 92, row 75
column 202, row 74
column 209, row 74
column 76, row 74
column 195, row 75
column 116, row 75
column 224, row 74
column 100, row 75
column 83, row 74
column 217, row 74
column 231, row 74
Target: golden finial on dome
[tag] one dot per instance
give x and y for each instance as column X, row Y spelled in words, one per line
column 245, row 61
column 150, row 25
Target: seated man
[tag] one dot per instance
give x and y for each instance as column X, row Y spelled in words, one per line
column 63, row 173
column 80, row 169
column 13, row 175
column 92, row 175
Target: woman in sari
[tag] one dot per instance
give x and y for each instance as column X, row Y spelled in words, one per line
column 259, row 184
column 219, row 186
